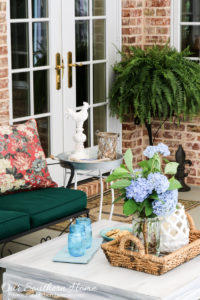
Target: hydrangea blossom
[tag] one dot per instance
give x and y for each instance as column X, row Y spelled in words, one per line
column 150, row 151
column 160, row 148
column 163, row 149
column 158, row 181
column 167, row 203
column 138, row 190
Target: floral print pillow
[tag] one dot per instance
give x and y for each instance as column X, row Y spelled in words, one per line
column 22, row 160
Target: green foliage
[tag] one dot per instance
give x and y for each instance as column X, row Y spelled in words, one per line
column 174, row 184
column 171, row 168
column 156, row 82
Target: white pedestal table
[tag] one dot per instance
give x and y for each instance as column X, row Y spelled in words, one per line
column 86, row 167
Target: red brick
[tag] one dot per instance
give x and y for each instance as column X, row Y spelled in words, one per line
column 192, row 171
column 125, row 4
column 126, row 13
column 149, row 12
column 132, row 3
column 161, row 3
column 3, row 28
column 150, row 30
column 3, row 40
column 162, row 12
column 3, row 73
column 162, row 30
column 135, row 12
column 193, row 128
column 3, row 83
column 3, row 6
column 3, row 62
column 4, row 94
column 168, row 135
column 125, row 21
column 196, row 146
column 173, row 126
column 3, row 50
column 2, row 17
column 157, row 21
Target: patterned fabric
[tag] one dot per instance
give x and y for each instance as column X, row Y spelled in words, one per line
column 22, row 159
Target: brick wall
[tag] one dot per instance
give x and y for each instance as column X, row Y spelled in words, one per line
column 145, row 23
column 4, row 95
column 188, row 135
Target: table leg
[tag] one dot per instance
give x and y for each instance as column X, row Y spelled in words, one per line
column 75, row 179
column 101, row 194
column 113, row 199
column 65, row 178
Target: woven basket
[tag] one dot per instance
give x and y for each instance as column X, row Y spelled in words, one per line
column 118, row 255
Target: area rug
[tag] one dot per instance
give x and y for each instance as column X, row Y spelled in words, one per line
column 93, row 205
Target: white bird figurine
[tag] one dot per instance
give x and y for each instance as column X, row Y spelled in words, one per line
column 79, row 116
column 79, row 137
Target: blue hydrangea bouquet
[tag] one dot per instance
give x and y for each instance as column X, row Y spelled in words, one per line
column 151, row 190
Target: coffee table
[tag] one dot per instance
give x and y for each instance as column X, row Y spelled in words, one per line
column 31, row 274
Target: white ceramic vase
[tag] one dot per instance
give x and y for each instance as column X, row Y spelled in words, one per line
column 174, row 231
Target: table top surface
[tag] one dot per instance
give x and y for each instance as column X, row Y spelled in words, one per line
column 37, row 262
column 93, row 163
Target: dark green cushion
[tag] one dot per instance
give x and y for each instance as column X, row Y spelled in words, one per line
column 45, row 205
column 13, row 222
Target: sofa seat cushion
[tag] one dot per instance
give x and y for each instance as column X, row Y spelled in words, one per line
column 45, row 205
column 13, row 222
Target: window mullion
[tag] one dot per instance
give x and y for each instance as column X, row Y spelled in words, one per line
column 91, row 77
column 31, row 59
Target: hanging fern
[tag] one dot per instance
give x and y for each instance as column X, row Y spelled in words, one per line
column 156, row 82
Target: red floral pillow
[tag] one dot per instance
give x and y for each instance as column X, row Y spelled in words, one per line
column 22, row 160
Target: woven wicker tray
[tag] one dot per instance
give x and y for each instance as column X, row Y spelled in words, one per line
column 118, row 256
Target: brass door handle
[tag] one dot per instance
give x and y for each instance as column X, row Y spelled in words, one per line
column 75, row 65
column 59, row 66
column 69, row 67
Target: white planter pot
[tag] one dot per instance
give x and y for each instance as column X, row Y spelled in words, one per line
column 174, row 231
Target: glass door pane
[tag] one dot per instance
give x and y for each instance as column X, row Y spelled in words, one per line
column 30, row 52
column 190, row 11
column 81, row 8
column 90, row 47
column 190, row 36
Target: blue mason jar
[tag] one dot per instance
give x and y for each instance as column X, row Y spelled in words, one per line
column 76, row 240
column 88, row 230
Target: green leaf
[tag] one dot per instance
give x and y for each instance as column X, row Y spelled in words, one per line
column 117, row 173
column 174, row 184
column 166, row 160
column 120, row 184
column 154, row 196
column 140, row 206
column 119, row 198
column 144, row 164
column 120, row 171
column 148, row 207
column 113, row 177
column 130, row 207
column 156, row 165
column 128, row 158
column 171, row 168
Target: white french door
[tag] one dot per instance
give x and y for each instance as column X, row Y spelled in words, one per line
column 91, row 33
column 44, row 36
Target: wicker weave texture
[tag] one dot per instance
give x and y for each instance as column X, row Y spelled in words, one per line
column 118, row 255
